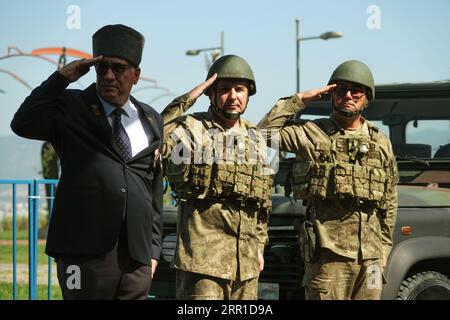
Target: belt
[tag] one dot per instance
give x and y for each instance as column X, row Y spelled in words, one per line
column 246, row 203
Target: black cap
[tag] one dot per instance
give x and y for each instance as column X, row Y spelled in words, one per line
column 118, row 41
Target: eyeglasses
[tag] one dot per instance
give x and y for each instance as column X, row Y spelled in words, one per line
column 117, row 68
column 355, row 91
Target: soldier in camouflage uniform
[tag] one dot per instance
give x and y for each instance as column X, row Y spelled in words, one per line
column 217, row 167
column 346, row 172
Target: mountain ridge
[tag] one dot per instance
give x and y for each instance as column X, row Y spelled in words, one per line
column 20, row 158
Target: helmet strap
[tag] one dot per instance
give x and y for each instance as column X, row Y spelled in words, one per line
column 224, row 114
column 348, row 113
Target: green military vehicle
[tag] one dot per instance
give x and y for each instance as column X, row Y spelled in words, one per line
column 417, row 119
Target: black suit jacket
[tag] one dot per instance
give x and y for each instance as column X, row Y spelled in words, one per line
column 97, row 188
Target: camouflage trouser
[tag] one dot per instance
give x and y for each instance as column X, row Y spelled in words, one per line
column 334, row 277
column 195, row 286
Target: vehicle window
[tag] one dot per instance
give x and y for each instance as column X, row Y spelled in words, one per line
column 435, row 133
column 379, row 124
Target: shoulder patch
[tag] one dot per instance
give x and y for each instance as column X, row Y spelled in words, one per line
column 375, row 133
column 200, row 116
column 248, row 124
column 203, row 117
column 326, row 125
column 296, row 121
column 180, row 119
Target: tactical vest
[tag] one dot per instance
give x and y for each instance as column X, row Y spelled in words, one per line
column 343, row 167
column 222, row 177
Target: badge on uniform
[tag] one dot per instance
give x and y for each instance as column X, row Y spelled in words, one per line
column 95, row 109
column 364, row 148
column 157, row 159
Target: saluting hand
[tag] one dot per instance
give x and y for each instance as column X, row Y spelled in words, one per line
column 261, row 261
column 154, row 264
column 383, row 263
column 78, row 68
column 315, row 94
column 198, row 90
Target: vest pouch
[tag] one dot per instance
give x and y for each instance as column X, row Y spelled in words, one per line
column 309, row 244
column 200, row 178
column 373, row 160
column 320, row 180
column 178, row 175
column 361, row 182
column 246, row 184
column 343, row 180
column 377, row 184
column 301, row 176
column 224, row 180
column 260, row 183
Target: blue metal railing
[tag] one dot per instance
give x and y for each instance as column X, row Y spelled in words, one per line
column 33, row 199
column 33, row 218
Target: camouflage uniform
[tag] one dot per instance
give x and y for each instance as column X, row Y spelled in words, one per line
column 349, row 181
column 223, row 207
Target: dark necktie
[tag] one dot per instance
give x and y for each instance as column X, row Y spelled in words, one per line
column 120, row 135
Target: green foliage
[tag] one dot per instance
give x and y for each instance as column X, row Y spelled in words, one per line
column 6, row 254
column 6, row 291
column 6, row 260
column 22, row 225
column 21, row 221
column 50, row 162
column 167, row 198
column 20, row 235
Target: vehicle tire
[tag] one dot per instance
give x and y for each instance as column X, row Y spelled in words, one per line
column 429, row 285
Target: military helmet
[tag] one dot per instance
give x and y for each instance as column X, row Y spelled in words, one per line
column 357, row 72
column 231, row 66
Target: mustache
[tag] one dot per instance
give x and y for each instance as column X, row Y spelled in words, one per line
column 229, row 105
column 348, row 103
column 107, row 84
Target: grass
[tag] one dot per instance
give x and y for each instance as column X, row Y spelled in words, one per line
column 6, row 254
column 6, row 287
column 6, row 292
column 20, row 235
column 6, row 258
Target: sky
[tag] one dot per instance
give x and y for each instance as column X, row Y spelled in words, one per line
column 401, row 41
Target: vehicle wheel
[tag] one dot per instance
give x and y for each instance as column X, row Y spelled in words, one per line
column 429, row 285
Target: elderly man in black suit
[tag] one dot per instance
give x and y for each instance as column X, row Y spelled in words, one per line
column 106, row 225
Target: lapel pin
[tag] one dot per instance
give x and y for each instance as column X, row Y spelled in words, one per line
column 95, row 109
column 157, row 158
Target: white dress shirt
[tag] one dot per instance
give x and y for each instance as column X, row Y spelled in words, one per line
column 132, row 124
